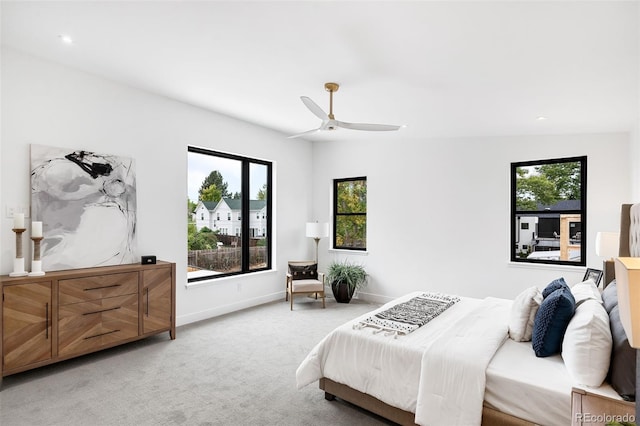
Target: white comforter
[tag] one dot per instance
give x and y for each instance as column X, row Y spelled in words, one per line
column 431, row 371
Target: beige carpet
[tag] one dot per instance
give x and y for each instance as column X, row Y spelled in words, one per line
column 238, row 369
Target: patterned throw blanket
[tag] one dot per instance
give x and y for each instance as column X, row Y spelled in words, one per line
column 408, row 316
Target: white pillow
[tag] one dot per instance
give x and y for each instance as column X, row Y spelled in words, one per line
column 586, row 290
column 523, row 312
column 586, row 348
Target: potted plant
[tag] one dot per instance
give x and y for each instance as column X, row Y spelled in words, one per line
column 345, row 278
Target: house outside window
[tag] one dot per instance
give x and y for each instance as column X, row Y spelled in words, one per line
column 548, row 211
column 235, row 187
column 350, row 213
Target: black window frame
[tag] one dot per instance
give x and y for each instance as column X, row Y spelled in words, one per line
column 336, row 182
column 244, row 212
column 516, row 214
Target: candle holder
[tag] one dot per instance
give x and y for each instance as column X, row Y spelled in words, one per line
column 18, row 262
column 36, row 265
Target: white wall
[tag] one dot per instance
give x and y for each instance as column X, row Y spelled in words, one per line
column 44, row 103
column 458, row 191
column 449, row 186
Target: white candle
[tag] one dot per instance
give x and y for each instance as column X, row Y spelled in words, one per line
column 18, row 221
column 36, row 229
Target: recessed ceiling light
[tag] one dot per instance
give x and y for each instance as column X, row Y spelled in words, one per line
column 65, row 39
column 541, row 118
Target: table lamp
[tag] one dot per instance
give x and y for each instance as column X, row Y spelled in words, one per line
column 316, row 231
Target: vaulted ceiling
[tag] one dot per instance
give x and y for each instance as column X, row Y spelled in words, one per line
column 443, row 68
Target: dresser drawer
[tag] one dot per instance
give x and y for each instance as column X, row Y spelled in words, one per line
column 97, row 287
column 95, row 334
column 87, row 314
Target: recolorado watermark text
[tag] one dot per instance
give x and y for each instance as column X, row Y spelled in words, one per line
column 605, row 418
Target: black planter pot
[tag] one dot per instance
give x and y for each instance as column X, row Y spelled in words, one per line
column 342, row 292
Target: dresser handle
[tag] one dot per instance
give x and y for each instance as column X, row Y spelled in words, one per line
column 100, row 288
column 101, row 334
column 104, row 310
column 146, row 301
column 46, row 321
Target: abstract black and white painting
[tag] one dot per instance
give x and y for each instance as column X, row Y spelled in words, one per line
column 87, row 204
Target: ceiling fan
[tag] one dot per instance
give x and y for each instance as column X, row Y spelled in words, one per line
column 330, row 123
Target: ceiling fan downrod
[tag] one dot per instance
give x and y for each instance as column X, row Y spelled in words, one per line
column 331, row 87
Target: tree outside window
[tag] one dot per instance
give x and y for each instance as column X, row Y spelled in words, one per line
column 350, row 213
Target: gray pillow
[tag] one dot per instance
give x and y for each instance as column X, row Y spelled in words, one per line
column 622, row 371
column 610, row 297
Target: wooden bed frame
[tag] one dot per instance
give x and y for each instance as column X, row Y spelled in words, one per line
column 490, row 416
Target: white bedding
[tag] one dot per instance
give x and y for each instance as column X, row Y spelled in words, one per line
column 531, row 388
column 386, row 368
column 453, row 375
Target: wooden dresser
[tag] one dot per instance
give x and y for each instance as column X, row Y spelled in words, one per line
column 65, row 314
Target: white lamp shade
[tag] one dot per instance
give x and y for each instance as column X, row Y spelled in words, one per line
column 607, row 244
column 317, row 230
column 628, row 283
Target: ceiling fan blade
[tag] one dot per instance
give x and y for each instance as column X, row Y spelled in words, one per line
column 308, row 132
column 370, row 127
column 314, row 108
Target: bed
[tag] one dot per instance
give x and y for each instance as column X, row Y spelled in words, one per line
column 415, row 377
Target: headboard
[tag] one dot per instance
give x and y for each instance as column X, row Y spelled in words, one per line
column 623, row 375
column 625, row 223
column 629, row 239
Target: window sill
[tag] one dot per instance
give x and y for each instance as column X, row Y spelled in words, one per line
column 224, row 280
column 545, row 266
column 354, row 252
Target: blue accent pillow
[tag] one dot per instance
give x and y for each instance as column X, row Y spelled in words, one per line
column 551, row 322
column 553, row 286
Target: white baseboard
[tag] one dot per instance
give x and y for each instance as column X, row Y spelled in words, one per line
column 373, row 298
column 226, row 309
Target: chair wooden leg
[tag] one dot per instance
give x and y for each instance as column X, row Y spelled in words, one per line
column 291, row 302
column 323, row 301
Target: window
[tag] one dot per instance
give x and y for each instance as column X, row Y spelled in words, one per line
column 350, row 213
column 549, row 211
column 236, row 185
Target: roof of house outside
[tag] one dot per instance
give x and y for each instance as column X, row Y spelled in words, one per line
column 210, row 205
column 562, row 205
column 235, row 204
